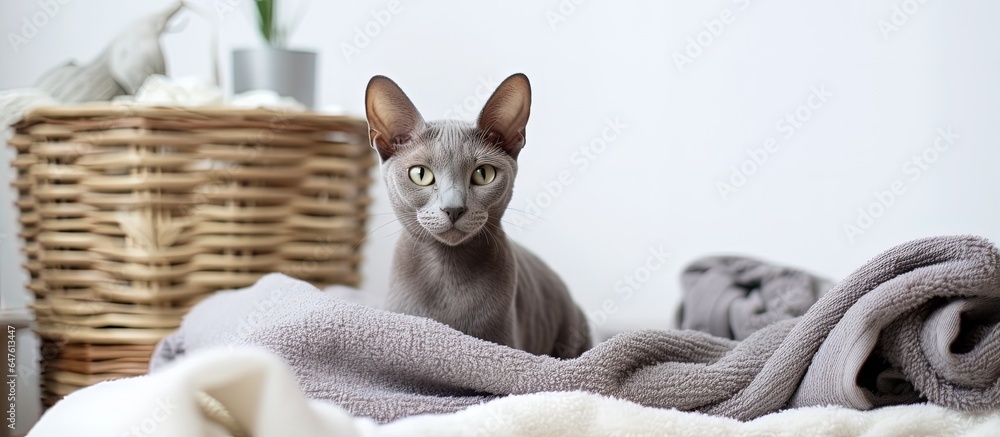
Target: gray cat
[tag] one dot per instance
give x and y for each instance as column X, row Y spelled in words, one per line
column 449, row 183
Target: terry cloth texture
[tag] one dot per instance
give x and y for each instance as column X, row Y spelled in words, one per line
column 733, row 297
column 917, row 322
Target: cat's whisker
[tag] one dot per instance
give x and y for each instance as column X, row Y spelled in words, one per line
column 422, row 234
column 486, row 233
column 528, row 213
column 503, row 234
column 502, row 231
column 372, row 233
column 397, row 231
column 440, row 275
column 490, row 233
column 512, row 224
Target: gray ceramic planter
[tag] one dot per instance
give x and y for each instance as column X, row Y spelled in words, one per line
column 289, row 73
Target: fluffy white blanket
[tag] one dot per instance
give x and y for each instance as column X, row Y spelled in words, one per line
column 251, row 392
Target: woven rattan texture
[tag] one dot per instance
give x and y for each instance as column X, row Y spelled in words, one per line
column 130, row 215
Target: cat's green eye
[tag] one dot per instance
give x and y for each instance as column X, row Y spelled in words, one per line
column 421, row 175
column 484, row 174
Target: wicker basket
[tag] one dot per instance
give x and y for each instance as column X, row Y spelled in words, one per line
column 130, row 215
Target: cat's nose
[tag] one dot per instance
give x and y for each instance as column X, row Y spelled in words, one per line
column 454, row 212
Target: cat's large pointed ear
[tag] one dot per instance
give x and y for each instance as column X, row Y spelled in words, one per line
column 392, row 118
column 506, row 114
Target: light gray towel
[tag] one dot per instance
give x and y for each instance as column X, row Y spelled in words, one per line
column 917, row 321
column 733, row 297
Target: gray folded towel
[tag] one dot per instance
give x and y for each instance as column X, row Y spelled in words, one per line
column 917, row 322
column 733, row 297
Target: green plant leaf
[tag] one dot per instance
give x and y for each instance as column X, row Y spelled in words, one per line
column 265, row 9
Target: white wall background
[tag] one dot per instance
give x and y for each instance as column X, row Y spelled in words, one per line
column 656, row 184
